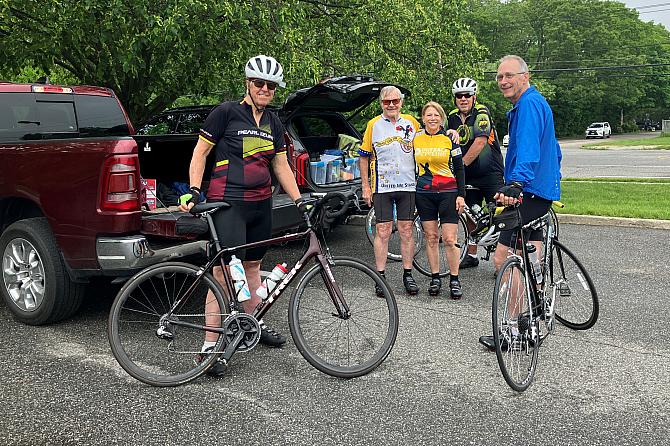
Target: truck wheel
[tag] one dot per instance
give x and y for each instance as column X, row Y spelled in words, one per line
column 35, row 284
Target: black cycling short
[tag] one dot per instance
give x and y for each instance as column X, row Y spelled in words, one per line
column 383, row 203
column 531, row 207
column 245, row 222
column 484, row 191
column 430, row 205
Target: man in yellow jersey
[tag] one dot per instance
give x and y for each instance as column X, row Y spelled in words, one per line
column 388, row 153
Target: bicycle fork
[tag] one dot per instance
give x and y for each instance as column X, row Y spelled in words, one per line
column 343, row 311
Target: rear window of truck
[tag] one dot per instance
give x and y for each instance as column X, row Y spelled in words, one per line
column 34, row 116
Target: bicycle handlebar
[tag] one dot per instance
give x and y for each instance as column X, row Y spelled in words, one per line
column 332, row 200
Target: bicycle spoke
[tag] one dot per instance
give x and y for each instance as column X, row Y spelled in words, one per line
column 161, row 350
column 355, row 343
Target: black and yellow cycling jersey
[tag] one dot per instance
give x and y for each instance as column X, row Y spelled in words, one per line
column 439, row 163
column 488, row 167
column 243, row 151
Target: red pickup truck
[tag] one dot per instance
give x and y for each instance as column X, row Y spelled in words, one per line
column 70, row 204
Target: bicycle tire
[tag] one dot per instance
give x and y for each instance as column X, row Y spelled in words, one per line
column 326, row 340
column 135, row 317
column 571, row 280
column 394, row 241
column 420, row 261
column 516, row 354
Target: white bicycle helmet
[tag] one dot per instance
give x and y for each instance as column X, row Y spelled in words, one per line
column 266, row 68
column 464, row 85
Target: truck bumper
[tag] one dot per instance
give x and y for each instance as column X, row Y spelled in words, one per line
column 132, row 253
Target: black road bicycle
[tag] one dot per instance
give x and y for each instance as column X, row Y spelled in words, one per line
column 158, row 321
column 529, row 297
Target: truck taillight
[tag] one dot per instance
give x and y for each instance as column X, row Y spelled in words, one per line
column 120, row 189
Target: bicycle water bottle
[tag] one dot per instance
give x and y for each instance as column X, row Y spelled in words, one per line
column 476, row 210
column 271, row 281
column 537, row 268
column 240, row 279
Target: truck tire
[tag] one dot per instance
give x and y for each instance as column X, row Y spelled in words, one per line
column 35, row 284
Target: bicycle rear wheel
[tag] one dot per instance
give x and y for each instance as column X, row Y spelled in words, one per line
column 514, row 326
column 420, row 261
column 394, row 240
column 343, row 347
column 576, row 299
column 153, row 346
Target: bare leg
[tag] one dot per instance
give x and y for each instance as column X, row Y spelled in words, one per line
column 252, row 269
column 452, row 252
column 381, row 243
column 212, row 310
column 432, row 244
column 406, row 242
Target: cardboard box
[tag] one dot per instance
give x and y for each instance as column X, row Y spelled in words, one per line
column 149, row 186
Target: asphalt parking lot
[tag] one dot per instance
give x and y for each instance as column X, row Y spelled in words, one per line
column 608, row 385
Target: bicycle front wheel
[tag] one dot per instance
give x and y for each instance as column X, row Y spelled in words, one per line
column 514, row 326
column 576, row 299
column 155, row 342
column 349, row 346
column 394, row 241
column 420, row 261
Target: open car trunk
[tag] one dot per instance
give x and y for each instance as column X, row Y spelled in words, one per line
column 164, row 164
column 325, row 142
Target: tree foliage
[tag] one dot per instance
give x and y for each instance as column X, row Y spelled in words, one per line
column 150, row 52
column 155, row 52
column 563, row 40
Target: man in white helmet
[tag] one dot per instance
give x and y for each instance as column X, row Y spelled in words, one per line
column 482, row 156
column 248, row 141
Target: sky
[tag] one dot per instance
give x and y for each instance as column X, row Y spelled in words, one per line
column 657, row 11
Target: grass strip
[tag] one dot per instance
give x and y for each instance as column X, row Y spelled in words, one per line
column 618, row 180
column 635, row 198
column 656, row 143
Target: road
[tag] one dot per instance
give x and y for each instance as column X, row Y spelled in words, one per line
column 608, row 385
column 613, row 163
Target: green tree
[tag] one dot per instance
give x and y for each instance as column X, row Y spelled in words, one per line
column 150, row 52
column 562, row 40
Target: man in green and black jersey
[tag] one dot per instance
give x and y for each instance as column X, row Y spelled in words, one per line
column 482, row 156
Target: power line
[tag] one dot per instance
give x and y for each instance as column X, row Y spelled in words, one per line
column 619, row 58
column 657, row 10
column 651, row 6
column 605, row 68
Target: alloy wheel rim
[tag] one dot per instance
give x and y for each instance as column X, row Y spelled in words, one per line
column 23, row 274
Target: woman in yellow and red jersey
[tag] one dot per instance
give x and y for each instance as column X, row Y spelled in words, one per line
column 440, row 192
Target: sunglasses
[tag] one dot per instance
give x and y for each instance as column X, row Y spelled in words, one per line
column 390, row 101
column 463, row 95
column 259, row 83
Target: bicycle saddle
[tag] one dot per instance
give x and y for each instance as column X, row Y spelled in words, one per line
column 203, row 208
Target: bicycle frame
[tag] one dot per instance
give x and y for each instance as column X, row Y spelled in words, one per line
column 535, row 294
column 313, row 250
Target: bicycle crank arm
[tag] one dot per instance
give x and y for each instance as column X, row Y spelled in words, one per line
column 231, row 347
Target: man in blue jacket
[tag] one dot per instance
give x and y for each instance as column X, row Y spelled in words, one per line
column 533, row 159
